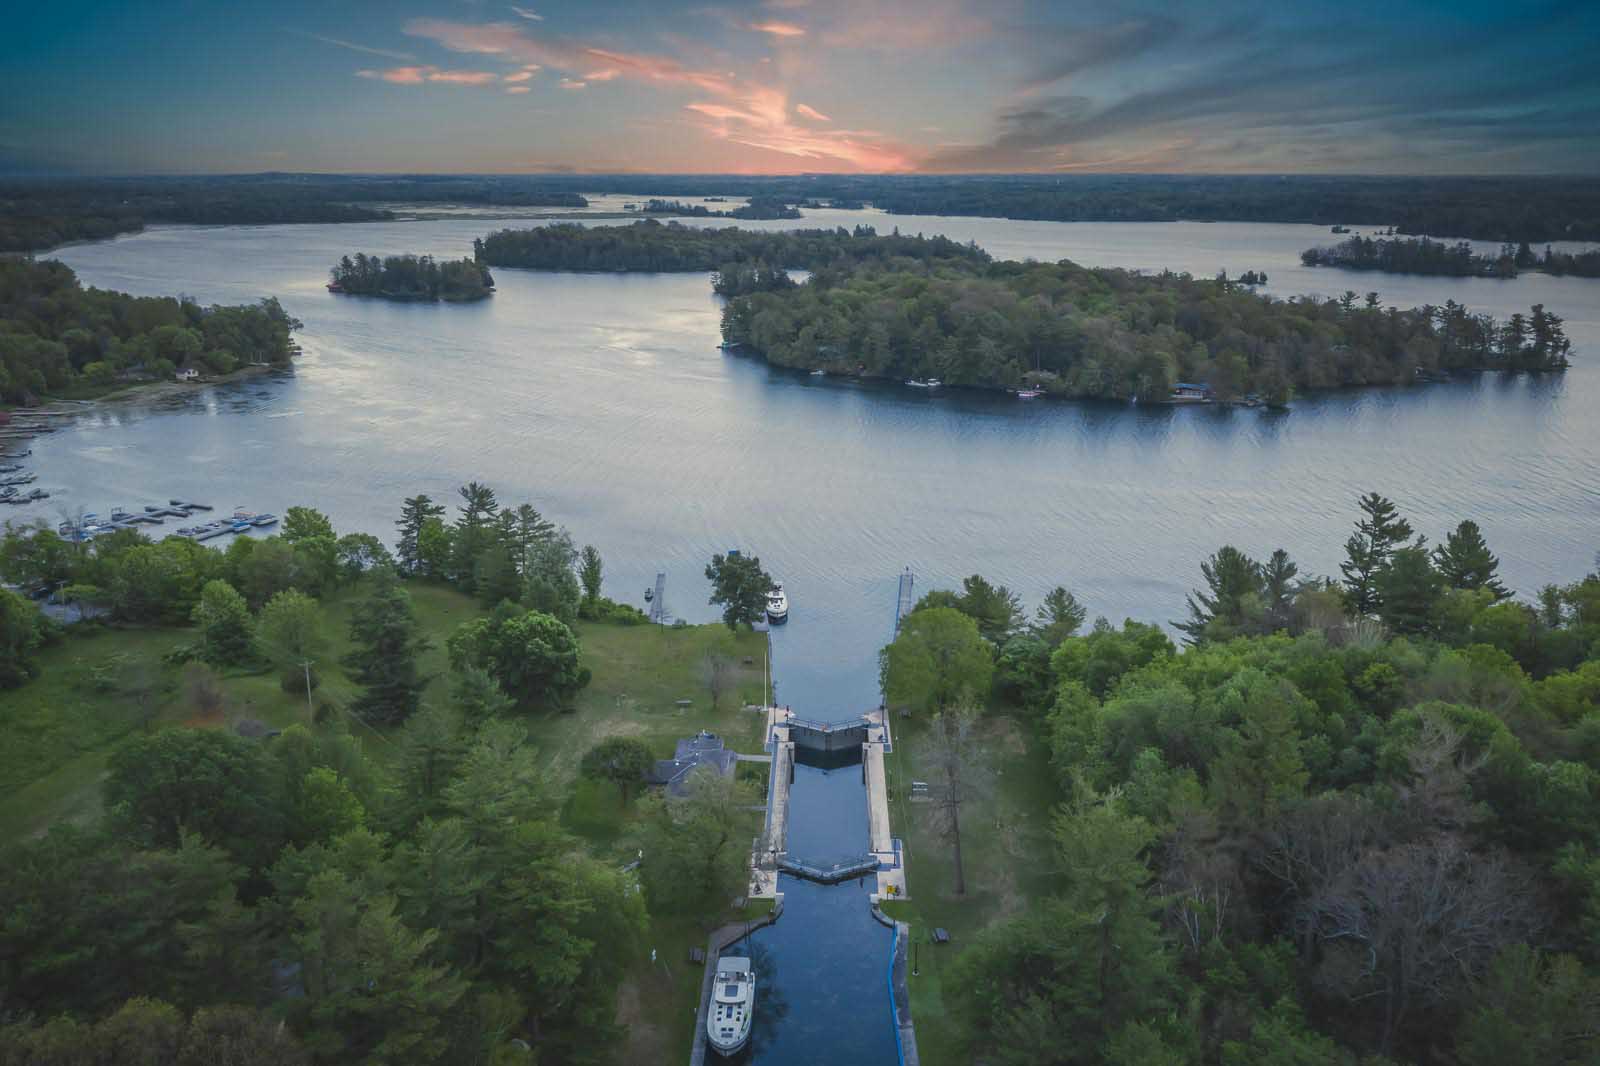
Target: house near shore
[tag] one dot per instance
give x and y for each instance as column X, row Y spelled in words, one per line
column 187, row 373
column 702, row 749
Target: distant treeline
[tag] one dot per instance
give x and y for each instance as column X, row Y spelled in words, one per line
column 1113, row 334
column 1422, row 256
column 651, row 246
column 759, row 207
column 38, row 214
column 56, row 335
column 411, row 277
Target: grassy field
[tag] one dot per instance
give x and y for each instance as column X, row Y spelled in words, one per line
column 1007, row 856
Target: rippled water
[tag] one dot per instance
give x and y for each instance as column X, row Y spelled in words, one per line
column 605, row 402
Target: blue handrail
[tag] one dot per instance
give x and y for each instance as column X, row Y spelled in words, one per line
column 894, row 1011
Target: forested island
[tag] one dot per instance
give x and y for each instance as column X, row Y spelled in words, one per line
column 760, row 207
column 1352, row 822
column 652, row 246
column 1419, row 255
column 412, row 277
column 57, row 337
column 901, row 307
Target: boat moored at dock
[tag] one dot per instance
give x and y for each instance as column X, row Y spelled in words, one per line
column 777, row 606
column 733, row 1005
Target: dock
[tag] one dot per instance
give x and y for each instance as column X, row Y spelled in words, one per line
column 719, row 942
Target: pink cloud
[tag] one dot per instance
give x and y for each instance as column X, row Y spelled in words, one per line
column 419, row 75
column 568, row 83
column 779, row 29
column 518, row 89
column 608, row 74
column 811, row 113
column 521, row 75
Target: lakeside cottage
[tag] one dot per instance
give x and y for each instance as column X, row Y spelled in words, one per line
column 702, row 749
column 187, row 373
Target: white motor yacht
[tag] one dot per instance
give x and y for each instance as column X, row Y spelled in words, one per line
column 777, row 606
column 733, row 1002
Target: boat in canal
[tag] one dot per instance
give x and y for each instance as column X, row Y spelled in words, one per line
column 733, row 1003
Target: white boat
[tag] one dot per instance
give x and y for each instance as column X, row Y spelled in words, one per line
column 733, row 1002
column 924, row 383
column 819, row 373
column 777, row 606
column 1028, row 394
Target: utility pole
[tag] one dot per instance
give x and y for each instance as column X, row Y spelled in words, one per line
column 311, row 715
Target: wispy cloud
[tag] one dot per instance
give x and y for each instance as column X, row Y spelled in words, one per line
column 569, row 83
column 606, row 74
column 517, row 89
column 531, row 16
column 421, row 75
column 779, row 29
column 521, row 75
column 352, row 46
column 807, row 111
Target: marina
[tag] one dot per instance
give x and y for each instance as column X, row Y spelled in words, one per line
column 91, row 524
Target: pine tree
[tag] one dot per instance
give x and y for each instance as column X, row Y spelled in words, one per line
column 589, row 573
column 1408, row 590
column 1234, row 581
column 1465, row 561
column 387, row 646
column 474, row 529
column 414, row 514
column 1368, row 551
column 1278, row 589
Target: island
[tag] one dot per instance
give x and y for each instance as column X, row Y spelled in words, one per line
column 412, row 278
column 759, row 207
column 930, row 309
column 1420, row 255
column 60, row 339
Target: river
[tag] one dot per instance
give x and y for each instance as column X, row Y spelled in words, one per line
column 604, row 401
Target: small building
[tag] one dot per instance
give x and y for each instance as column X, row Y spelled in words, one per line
column 187, row 373
column 1188, row 390
column 702, row 749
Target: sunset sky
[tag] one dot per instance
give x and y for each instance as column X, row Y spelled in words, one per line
column 787, row 86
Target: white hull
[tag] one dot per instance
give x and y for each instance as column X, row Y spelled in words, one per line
column 733, row 1004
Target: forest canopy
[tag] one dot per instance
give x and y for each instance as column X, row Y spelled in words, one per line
column 1419, row 255
column 56, row 335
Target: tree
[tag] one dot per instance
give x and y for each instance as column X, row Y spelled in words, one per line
column 717, row 670
column 1407, row 590
column 359, row 553
column 1234, row 605
column 1278, row 591
column 225, row 625
column 624, row 761
column 387, row 644
column 1059, row 617
column 740, row 587
column 696, row 846
column 937, row 655
column 289, row 632
column 1260, row 769
column 431, row 748
column 414, row 514
column 1368, row 550
column 1465, row 561
column 995, row 608
column 210, row 783
column 474, row 529
column 533, row 656
column 304, row 523
column 1531, row 1010
column 478, row 696
column 957, row 765
column 22, row 631
column 589, row 571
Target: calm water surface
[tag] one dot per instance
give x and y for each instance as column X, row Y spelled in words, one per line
column 605, row 402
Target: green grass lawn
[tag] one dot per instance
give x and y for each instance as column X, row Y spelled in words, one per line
column 1006, row 852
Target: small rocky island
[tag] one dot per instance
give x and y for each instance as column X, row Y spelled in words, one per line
column 411, row 277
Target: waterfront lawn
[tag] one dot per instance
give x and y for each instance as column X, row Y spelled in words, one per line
column 1007, row 852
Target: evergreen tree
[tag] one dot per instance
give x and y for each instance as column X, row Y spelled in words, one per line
column 387, row 646
column 1059, row 617
column 1368, row 550
column 474, row 529
column 589, row 573
column 1233, row 605
column 1278, row 590
column 414, row 513
column 1465, row 561
column 1408, row 590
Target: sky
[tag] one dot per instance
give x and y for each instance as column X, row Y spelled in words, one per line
column 800, row 86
